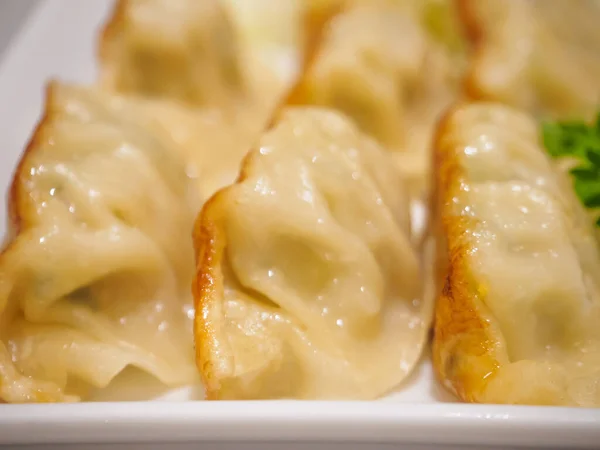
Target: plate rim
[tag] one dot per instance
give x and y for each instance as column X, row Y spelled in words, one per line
column 174, row 421
column 290, row 420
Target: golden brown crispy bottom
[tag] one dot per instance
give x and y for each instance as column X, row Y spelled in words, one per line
column 19, row 205
column 464, row 353
column 207, row 287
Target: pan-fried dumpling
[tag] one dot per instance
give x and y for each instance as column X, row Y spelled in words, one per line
column 181, row 49
column 95, row 273
column 365, row 52
column 205, row 53
column 180, row 64
column 538, row 55
column 517, row 318
column 307, row 284
column 378, row 64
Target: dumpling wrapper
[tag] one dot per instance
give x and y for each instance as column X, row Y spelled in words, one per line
column 307, row 284
column 186, row 62
column 177, row 49
column 541, row 56
column 517, row 318
column 95, row 273
column 379, row 64
column 209, row 53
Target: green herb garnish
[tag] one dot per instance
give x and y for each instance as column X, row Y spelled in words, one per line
column 581, row 142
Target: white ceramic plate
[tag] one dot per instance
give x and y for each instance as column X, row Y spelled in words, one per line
column 58, row 39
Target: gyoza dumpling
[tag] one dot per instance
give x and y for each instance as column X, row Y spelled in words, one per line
column 539, row 55
column 181, row 63
column 517, row 319
column 181, row 49
column 378, row 64
column 307, row 285
column 202, row 53
column 365, row 55
column 95, row 273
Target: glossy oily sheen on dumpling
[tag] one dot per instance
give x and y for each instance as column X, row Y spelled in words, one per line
column 307, row 284
column 96, row 268
column 538, row 55
column 519, row 270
